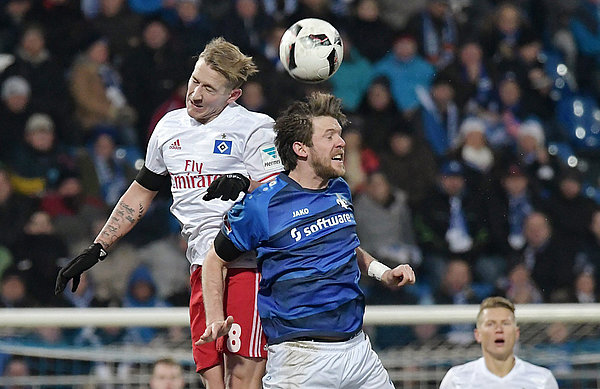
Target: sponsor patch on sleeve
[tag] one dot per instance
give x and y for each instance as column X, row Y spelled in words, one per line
column 270, row 158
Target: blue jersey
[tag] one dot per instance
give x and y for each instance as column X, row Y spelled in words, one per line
column 305, row 241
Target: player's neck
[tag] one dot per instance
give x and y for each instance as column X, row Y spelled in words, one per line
column 307, row 178
column 499, row 367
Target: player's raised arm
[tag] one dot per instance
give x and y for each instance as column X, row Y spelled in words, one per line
column 129, row 210
column 393, row 278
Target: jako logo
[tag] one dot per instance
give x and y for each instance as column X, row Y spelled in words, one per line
column 300, row 212
column 324, row 222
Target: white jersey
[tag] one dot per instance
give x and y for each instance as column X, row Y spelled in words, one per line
column 475, row 375
column 195, row 154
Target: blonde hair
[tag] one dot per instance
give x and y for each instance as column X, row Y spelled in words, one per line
column 227, row 59
column 495, row 302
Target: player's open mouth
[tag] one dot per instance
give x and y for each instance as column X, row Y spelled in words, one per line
column 339, row 157
column 499, row 342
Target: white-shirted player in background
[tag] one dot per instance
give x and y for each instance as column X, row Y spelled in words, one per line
column 212, row 142
column 499, row 368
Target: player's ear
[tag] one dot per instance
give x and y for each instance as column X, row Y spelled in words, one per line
column 300, row 149
column 234, row 95
column 476, row 334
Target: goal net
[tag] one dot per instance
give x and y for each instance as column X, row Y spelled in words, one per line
column 106, row 348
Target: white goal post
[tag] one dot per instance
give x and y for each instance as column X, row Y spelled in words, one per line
column 374, row 315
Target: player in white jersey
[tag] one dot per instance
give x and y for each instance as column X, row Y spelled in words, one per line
column 499, row 368
column 213, row 148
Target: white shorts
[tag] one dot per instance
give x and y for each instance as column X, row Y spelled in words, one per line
column 319, row 365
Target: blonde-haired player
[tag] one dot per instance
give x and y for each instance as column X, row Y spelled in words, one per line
column 498, row 368
column 212, row 149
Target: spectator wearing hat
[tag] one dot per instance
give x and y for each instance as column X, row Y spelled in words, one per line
column 472, row 149
column 406, row 70
column 35, row 165
column 451, row 221
column 14, row 111
column 436, row 32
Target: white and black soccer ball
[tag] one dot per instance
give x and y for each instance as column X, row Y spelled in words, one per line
column 311, row 50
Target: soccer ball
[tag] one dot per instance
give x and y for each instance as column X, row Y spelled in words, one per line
column 311, row 50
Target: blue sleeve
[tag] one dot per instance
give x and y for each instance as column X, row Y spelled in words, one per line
column 246, row 224
column 588, row 43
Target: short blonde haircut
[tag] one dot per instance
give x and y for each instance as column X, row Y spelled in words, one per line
column 495, row 302
column 227, row 59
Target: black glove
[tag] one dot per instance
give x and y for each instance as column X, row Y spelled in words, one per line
column 88, row 258
column 227, row 187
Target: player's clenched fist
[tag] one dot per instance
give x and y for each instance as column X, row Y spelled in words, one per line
column 88, row 258
column 399, row 276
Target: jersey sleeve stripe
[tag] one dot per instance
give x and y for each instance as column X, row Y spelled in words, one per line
column 269, row 177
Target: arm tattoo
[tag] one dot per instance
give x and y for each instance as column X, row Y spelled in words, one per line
column 116, row 224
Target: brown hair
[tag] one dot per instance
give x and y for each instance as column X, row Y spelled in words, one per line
column 295, row 123
column 227, row 59
column 495, row 302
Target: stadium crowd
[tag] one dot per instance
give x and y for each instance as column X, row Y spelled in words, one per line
column 473, row 151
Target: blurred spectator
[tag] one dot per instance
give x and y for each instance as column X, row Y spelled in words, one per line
column 97, row 91
column 35, row 166
column 519, row 288
column 406, row 70
column 71, row 209
column 105, row 173
column 510, row 205
column 450, row 221
column 584, row 291
column 15, row 209
column 320, row 9
column 13, row 291
column 167, row 374
column 255, row 99
column 119, row 25
column 352, row 79
column 14, row 112
column 192, row 29
column 508, row 111
column 436, row 32
column 371, row 35
column 142, row 293
column 45, row 75
column 571, row 207
column 360, row 160
column 409, row 164
column 588, row 255
column 14, row 14
column 173, row 102
column 440, row 115
column 585, row 26
column 499, row 36
column 246, row 26
column 531, row 155
column 152, row 71
column 37, row 252
column 455, row 288
column 384, row 222
column 279, row 10
column 473, row 77
column 549, row 259
column 381, row 114
column 17, row 368
column 472, row 149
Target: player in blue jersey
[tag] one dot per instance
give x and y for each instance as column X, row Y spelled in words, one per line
column 303, row 228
